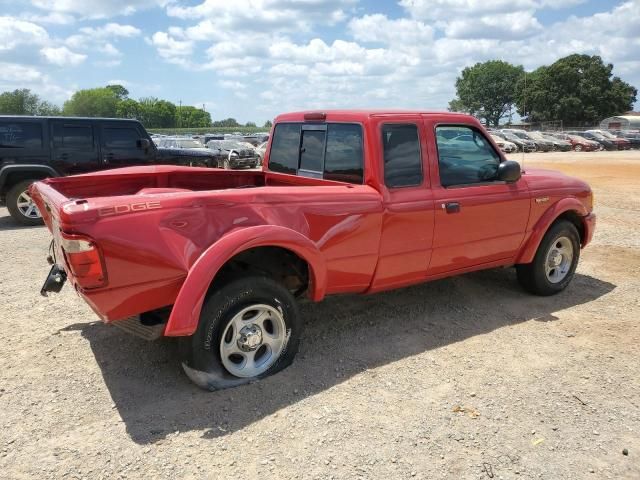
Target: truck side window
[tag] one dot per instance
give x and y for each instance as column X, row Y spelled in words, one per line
column 343, row 159
column 72, row 136
column 20, row 135
column 465, row 156
column 285, row 148
column 121, row 137
column 402, row 159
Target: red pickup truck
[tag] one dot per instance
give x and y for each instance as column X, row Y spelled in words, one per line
column 347, row 201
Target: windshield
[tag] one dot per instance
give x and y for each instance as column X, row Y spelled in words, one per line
column 187, row 143
column 608, row 135
column 510, row 136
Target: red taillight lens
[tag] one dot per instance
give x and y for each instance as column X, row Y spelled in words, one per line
column 84, row 260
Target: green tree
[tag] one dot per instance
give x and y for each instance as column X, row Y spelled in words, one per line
column 120, row 92
column 227, row 122
column 128, row 108
column 487, row 90
column 93, row 102
column 192, row 117
column 155, row 113
column 250, row 124
column 48, row 109
column 268, row 124
column 19, row 102
column 575, row 89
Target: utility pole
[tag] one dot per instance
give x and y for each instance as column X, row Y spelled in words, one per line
column 179, row 113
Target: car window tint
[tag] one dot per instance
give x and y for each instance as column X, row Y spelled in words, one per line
column 121, row 137
column 72, row 136
column 285, row 149
column 312, row 150
column 402, row 159
column 465, row 158
column 20, row 135
column 343, row 159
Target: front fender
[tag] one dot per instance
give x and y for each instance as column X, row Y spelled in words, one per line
column 551, row 215
column 185, row 313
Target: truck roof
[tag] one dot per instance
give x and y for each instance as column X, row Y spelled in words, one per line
column 362, row 114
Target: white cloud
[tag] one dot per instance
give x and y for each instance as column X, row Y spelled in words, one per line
column 13, row 72
column 62, row 56
column 380, row 29
column 97, row 8
column 500, row 25
column 14, row 32
column 54, row 18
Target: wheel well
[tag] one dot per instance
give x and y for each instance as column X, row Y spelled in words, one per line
column 17, row 177
column 280, row 264
column 573, row 217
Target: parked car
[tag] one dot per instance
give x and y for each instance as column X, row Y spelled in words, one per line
column 596, row 137
column 181, row 143
column 233, row 154
column 33, row 148
column 541, row 144
column 505, row 145
column 558, row 145
column 523, row 145
column 260, row 151
column 578, row 143
column 621, row 143
column 221, row 263
column 631, row 135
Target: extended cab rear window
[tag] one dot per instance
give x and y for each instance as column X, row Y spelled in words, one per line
column 332, row 151
column 20, row 135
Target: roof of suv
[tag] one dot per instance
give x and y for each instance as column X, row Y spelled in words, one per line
column 32, row 117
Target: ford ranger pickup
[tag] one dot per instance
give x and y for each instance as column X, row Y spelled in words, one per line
column 346, row 202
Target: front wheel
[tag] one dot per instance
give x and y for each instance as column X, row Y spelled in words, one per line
column 249, row 329
column 555, row 261
column 21, row 206
column 577, row 148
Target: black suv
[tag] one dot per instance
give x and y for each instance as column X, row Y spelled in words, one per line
column 32, row 148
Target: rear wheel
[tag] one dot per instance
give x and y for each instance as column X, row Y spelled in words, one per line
column 555, row 262
column 249, row 329
column 21, row 206
column 226, row 164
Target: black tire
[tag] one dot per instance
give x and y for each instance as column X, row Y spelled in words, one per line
column 12, row 204
column 201, row 357
column 226, row 164
column 577, row 147
column 532, row 276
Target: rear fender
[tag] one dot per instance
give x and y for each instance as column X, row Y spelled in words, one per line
column 551, row 215
column 185, row 313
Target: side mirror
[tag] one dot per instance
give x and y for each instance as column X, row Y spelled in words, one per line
column 509, row 171
column 144, row 143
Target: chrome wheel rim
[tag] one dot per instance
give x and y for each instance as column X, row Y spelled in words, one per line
column 559, row 260
column 252, row 341
column 26, row 206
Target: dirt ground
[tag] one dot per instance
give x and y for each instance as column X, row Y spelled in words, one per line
column 464, row 378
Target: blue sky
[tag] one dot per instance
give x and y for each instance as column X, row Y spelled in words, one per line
column 252, row 59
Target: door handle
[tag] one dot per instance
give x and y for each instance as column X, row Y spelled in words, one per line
column 108, row 157
column 451, row 207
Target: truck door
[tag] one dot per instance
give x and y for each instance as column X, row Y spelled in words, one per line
column 478, row 219
column 125, row 144
column 407, row 228
column 74, row 146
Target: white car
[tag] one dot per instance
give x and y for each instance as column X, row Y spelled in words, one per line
column 505, row 145
column 261, row 150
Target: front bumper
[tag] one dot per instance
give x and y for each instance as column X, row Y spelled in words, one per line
column 589, row 223
column 250, row 162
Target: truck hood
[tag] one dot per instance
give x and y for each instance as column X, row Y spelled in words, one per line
column 539, row 179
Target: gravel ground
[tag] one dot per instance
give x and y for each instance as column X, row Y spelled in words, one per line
column 465, row 378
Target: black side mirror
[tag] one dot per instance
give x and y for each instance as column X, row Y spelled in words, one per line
column 144, row 143
column 509, row 171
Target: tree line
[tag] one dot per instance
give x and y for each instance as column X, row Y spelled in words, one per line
column 113, row 101
column 577, row 90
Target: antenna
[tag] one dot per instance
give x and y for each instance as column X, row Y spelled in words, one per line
column 524, row 111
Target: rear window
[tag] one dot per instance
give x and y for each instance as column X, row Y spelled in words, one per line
column 331, row 151
column 121, row 137
column 20, row 135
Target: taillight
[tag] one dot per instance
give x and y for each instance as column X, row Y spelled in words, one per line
column 84, row 260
